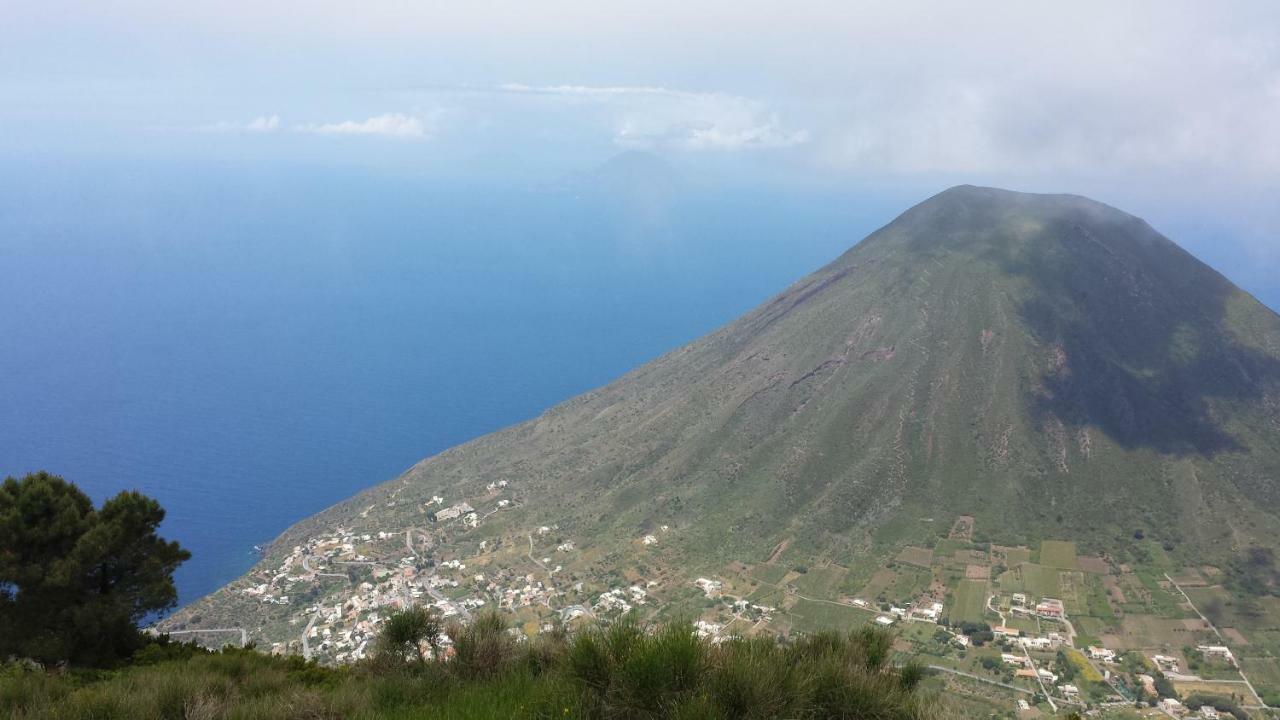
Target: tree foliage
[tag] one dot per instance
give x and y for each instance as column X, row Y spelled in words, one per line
column 75, row 581
column 405, row 633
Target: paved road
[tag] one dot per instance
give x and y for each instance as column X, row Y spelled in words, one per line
column 435, row 594
column 306, row 644
column 306, row 565
column 1220, row 638
column 535, row 560
column 1032, row 663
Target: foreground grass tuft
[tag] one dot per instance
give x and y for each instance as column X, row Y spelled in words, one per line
column 616, row 672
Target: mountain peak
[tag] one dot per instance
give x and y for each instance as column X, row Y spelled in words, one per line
column 1043, row 365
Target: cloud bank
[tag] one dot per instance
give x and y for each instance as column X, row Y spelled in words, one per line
column 260, row 124
column 396, row 125
column 652, row 117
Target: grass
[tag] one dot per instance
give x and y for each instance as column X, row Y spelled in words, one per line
column 620, row 671
column 1059, row 554
column 1090, row 630
column 821, row 582
column 970, row 599
column 1037, row 580
column 816, row 616
column 1016, row 556
column 918, row 556
column 1264, row 673
column 772, row 574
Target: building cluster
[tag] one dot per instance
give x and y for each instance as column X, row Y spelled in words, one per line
column 710, row 588
column 1217, row 652
column 305, row 562
column 1172, row 707
column 621, row 600
column 517, row 595
column 1048, row 641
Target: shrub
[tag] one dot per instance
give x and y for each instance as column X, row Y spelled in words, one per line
column 404, row 634
column 482, row 649
column 617, row 672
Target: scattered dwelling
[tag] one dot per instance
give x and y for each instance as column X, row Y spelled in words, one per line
column 1148, row 684
column 931, row 613
column 450, row 513
column 860, row 602
column 1001, row 631
column 1070, row 692
column 1209, row 712
column 1035, row 643
column 1171, row 706
column 1019, row 599
column 885, row 621
column 649, row 540
column 1219, row 652
column 961, row 640
column 573, row 612
column 710, row 588
column 614, row 600
column 708, row 630
column 1100, row 653
column 1165, row 663
column 1050, row 608
column 1025, row 674
column 1047, row 676
column 1011, row 659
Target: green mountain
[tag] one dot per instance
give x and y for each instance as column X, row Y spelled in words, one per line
column 1047, row 364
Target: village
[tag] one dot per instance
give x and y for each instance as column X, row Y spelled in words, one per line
column 337, row 587
column 1038, row 633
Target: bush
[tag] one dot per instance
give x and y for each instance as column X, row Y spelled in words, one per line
column 482, row 649
column 617, row 672
column 405, row 633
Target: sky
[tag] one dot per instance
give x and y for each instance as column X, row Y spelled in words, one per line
column 1169, row 109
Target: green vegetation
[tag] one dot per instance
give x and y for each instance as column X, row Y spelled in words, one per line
column 1038, row 580
column 1058, row 554
column 1086, row 671
column 412, row 633
column 618, row 671
column 75, row 581
column 970, row 602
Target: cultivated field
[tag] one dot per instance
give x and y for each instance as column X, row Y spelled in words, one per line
column 970, row 599
column 1059, row 554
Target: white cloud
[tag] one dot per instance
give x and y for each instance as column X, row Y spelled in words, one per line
column 396, row 125
column 646, row 116
column 260, row 124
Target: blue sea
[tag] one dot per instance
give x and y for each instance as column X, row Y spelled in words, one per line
column 250, row 345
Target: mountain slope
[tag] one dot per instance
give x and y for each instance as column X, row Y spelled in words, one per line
column 1045, row 363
